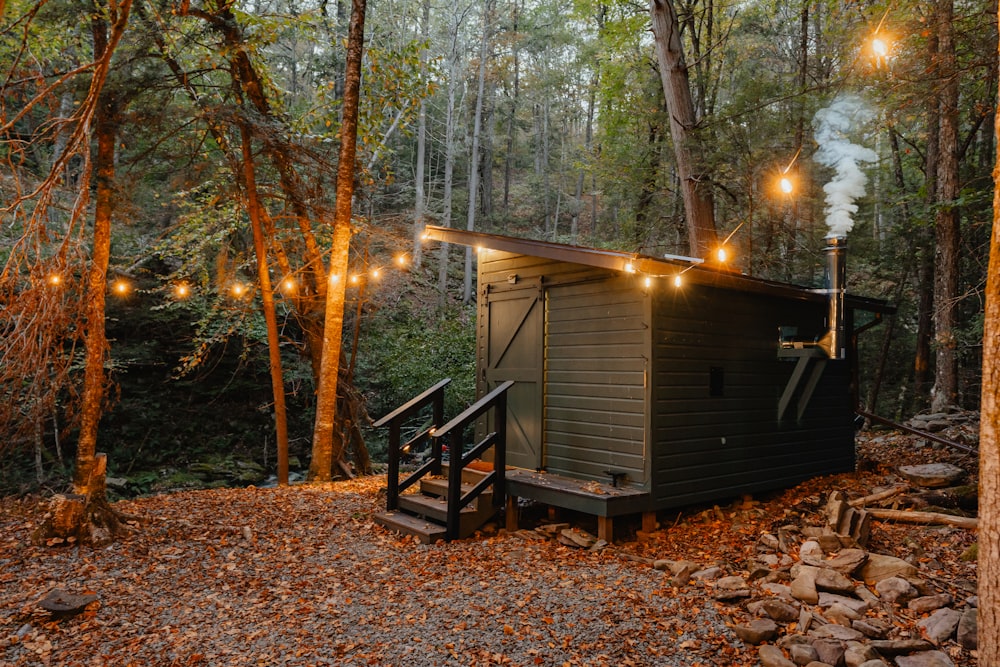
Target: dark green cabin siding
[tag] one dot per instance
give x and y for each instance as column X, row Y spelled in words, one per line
column 595, row 364
column 708, row 447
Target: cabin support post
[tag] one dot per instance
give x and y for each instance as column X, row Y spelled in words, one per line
column 606, row 529
column 510, row 515
column 649, row 522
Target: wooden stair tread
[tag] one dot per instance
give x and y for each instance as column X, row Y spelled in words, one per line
column 439, row 487
column 434, row 507
column 428, row 532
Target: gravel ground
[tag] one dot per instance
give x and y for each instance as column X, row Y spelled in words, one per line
column 301, row 576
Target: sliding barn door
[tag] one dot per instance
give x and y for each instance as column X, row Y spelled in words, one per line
column 514, row 351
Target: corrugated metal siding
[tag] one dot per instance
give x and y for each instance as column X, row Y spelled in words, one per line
column 712, row 447
column 596, row 349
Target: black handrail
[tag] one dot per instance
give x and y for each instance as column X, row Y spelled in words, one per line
column 433, row 396
column 455, row 432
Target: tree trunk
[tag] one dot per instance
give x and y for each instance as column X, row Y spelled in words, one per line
column 325, row 451
column 508, row 163
column 695, row 183
column 474, row 161
column 254, row 209
column 989, row 448
column 95, row 380
column 449, row 156
column 947, row 229
column 418, row 205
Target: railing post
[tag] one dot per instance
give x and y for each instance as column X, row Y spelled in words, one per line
column 392, row 478
column 455, row 465
column 438, row 409
column 500, row 451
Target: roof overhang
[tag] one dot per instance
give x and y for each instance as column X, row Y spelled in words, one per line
column 694, row 271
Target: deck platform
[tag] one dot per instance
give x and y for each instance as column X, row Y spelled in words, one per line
column 587, row 496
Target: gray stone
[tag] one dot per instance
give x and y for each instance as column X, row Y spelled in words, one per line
column 925, row 659
column 834, row 631
column 795, row 639
column 831, row 580
column 805, row 620
column 858, row 654
column 757, row 631
column 968, row 630
column 932, row 475
column 895, row 589
column 842, row 615
column 708, row 574
column 731, row 588
column 804, row 585
column 771, row 656
column 927, row 603
column 862, row 593
column 827, row 600
column 811, row 553
column 848, row 561
column 777, row 610
column 780, row 591
column 803, row 654
column 872, row 628
column 879, row 567
column 873, row 663
column 769, row 541
column 830, row 651
column 940, row 625
column 900, row 646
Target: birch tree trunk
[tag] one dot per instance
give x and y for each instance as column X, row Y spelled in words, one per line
column 449, row 155
column 694, row 183
column 474, row 161
column 418, row 204
column 325, row 451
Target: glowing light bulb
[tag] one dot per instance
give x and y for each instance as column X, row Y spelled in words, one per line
column 721, row 255
column 355, row 279
column 334, row 278
column 424, row 236
column 629, row 267
column 879, row 47
column 288, row 285
column 238, row 289
column 376, row 273
column 648, row 282
column 182, row 290
column 121, row 287
column 55, row 279
column 401, row 260
column 678, row 281
column 786, row 185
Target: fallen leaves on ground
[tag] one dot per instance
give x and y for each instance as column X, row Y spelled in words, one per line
column 301, row 576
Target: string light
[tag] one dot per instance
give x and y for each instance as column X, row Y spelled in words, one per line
column 181, row 290
column 401, row 260
column 355, row 279
column 721, row 255
column 678, row 281
column 786, row 185
column 288, row 285
column 376, row 273
column 121, row 287
column 238, row 289
column 55, row 279
column 648, row 282
column 629, row 267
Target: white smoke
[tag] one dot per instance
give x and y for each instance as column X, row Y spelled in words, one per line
column 832, row 126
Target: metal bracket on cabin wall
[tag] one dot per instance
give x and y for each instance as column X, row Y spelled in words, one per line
column 804, row 355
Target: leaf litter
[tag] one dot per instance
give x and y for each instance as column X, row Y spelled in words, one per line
column 302, row 576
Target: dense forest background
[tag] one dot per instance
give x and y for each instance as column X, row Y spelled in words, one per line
column 525, row 117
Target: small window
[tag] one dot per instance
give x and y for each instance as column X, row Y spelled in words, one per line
column 716, row 377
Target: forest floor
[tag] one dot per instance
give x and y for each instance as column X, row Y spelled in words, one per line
column 302, row 576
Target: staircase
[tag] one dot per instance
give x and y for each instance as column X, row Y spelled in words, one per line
column 425, row 514
column 449, row 500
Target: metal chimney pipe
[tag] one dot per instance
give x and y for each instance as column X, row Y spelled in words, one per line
column 834, row 342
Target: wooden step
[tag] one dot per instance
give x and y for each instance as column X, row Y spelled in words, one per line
column 439, row 487
column 428, row 532
column 436, row 509
column 469, row 475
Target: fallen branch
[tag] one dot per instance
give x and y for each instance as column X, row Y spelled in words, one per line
column 875, row 497
column 926, row 518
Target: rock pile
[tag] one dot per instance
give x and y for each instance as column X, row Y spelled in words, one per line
column 834, row 604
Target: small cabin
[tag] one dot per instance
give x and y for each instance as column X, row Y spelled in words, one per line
column 642, row 384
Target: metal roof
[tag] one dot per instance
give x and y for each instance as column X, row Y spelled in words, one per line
column 694, row 271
